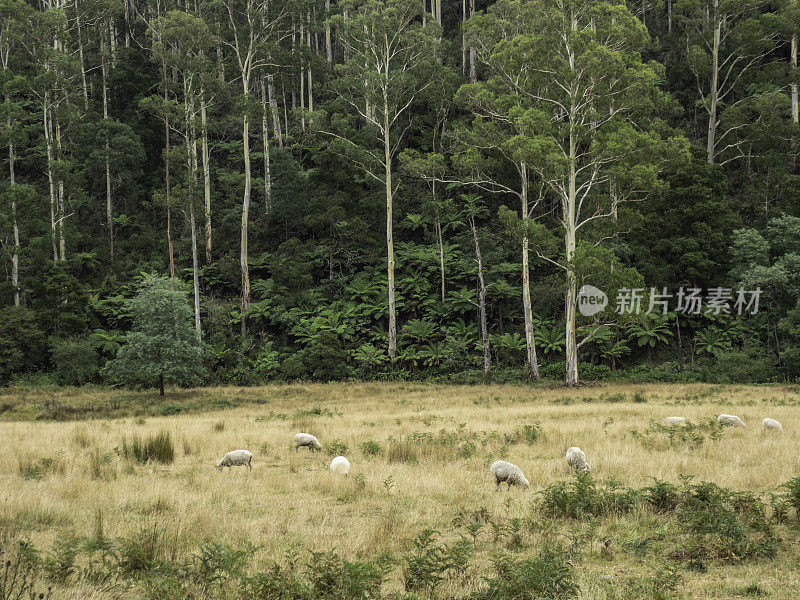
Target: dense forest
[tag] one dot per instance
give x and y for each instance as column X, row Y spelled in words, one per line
column 405, row 188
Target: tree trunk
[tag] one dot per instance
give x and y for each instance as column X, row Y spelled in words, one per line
column 109, row 207
column 15, row 253
column 191, row 158
column 48, row 137
column 84, row 85
column 530, row 339
column 206, row 176
column 245, row 214
column 273, row 105
column 440, row 244
column 571, row 277
column 328, row 45
column 487, row 352
column 473, row 77
column 62, row 244
column 387, row 148
column 265, row 143
column 161, row 384
column 714, row 91
column 170, row 248
column 463, row 39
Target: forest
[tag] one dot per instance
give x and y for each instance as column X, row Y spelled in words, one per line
column 404, row 189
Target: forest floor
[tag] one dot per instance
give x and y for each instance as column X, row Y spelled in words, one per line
column 110, row 527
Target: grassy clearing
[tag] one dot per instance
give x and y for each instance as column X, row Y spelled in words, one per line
column 418, row 515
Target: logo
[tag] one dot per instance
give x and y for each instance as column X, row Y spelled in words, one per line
column 591, row 300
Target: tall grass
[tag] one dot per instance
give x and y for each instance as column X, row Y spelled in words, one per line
column 153, row 448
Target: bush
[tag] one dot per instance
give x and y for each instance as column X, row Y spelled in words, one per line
column 550, row 575
column 74, row 360
column 293, row 366
column 325, row 358
column 336, row 448
column 583, row 497
column 371, row 448
column 748, row 365
column 22, row 343
column 155, row 448
column 41, row 466
column 430, row 563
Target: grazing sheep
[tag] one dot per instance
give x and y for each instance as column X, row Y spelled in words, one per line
column 771, row 424
column 577, row 459
column 306, row 439
column 340, row 465
column 731, row 420
column 236, row 458
column 675, row 421
column 510, row 473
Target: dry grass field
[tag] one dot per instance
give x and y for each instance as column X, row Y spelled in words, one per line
column 420, row 457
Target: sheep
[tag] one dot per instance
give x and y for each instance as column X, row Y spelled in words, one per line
column 510, row 473
column 236, row 458
column 577, row 459
column 772, row 424
column 306, row 439
column 340, row 465
column 731, row 420
column 675, row 421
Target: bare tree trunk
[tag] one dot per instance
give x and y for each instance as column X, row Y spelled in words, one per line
column 328, row 45
column 463, row 39
column 440, row 244
column 206, row 176
column 191, row 159
column 15, row 254
column 530, row 339
column 195, row 266
column 473, row 77
column 669, row 16
column 265, row 142
column 389, row 237
column 80, row 56
column 170, row 248
column 570, row 299
column 245, row 214
column 310, row 86
column 273, row 105
column 109, row 207
column 712, row 109
column 487, row 352
column 62, row 245
column 48, row 137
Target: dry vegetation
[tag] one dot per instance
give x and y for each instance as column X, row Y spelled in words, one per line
column 420, row 456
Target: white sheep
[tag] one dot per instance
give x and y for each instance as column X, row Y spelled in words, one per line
column 340, row 465
column 771, row 424
column 577, row 459
column 730, row 420
column 236, row 458
column 306, row 439
column 675, row 421
column 508, row 472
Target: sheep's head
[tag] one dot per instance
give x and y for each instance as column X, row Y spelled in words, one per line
column 585, row 468
column 315, row 445
column 524, row 483
column 218, row 466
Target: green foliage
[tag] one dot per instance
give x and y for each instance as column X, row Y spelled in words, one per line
column 75, row 360
column 20, row 572
column 163, row 346
column 430, row 563
column 22, row 343
column 549, row 575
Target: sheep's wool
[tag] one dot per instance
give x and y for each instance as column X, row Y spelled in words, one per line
column 508, row 472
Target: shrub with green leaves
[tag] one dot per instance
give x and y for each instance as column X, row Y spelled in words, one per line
column 429, row 562
column 547, row 576
column 74, row 360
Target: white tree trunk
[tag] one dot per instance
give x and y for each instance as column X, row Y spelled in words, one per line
column 15, row 253
column 206, row 176
column 389, row 237
column 245, row 215
column 713, row 92
column 530, row 339
column 48, row 137
column 487, row 352
column 265, row 143
column 570, row 299
column 328, row 44
column 273, row 105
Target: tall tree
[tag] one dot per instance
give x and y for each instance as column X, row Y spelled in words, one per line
column 392, row 60
column 591, row 137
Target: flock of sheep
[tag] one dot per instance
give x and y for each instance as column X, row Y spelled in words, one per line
column 501, row 470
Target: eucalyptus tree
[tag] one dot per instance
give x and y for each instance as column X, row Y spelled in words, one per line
column 252, row 30
column 184, row 41
column 590, row 136
column 726, row 41
column 391, row 62
column 13, row 16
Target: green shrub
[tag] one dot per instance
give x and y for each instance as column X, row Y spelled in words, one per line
column 331, row 577
column 678, row 436
column 40, row 467
column 155, row 448
column 371, row 448
column 293, row 367
column 430, row 563
column 20, row 569
column 550, row 575
column 325, row 358
column 583, row 497
column 336, row 448
column 75, row 360
column 22, row 343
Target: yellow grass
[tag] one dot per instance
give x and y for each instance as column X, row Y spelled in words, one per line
column 292, row 502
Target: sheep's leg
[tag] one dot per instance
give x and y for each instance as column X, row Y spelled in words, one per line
column 249, row 466
column 509, row 485
column 497, row 485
